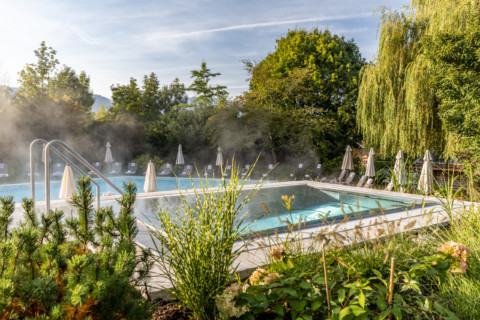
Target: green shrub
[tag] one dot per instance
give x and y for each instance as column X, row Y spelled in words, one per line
column 195, row 242
column 300, row 292
column 84, row 267
column 142, row 162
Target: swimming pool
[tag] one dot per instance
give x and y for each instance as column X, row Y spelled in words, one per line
column 312, row 205
column 20, row 190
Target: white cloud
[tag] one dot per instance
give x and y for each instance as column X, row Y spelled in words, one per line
column 165, row 35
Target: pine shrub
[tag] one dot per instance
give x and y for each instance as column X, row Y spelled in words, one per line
column 83, row 267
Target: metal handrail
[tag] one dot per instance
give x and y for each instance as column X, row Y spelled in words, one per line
column 61, row 156
column 47, row 147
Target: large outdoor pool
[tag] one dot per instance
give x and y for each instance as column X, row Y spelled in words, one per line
column 18, row 191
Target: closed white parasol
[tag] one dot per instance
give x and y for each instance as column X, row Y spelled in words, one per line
column 150, row 179
column 347, row 159
column 425, row 183
column 68, row 184
column 370, row 170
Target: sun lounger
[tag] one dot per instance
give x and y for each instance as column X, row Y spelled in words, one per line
column 369, row 183
column 245, row 170
column 58, row 168
column 340, row 177
column 187, row 171
column 361, row 182
column 167, row 170
column 97, row 165
column 298, row 172
column 228, row 171
column 389, row 186
column 116, row 168
column 316, row 174
column 350, row 178
column 267, row 174
column 3, row 170
column 35, row 170
column 132, row 168
column 208, row 171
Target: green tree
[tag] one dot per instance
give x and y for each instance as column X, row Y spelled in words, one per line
column 456, row 70
column 398, row 107
column 40, row 81
column 149, row 101
column 34, row 78
column 308, row 83
column 66, row 83
column 206, row 93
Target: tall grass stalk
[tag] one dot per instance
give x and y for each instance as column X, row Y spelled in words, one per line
column 196, row 241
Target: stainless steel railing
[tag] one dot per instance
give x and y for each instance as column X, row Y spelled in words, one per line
column 50, row 146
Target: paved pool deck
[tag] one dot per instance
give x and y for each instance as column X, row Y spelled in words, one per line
column 344, row 232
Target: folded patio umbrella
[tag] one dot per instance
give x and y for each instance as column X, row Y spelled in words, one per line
column 347, row 160
column 180, row 160
column 399, row 169
column 150, row 178
column 108, row 154
column 68, row 184
column 425, row 183
column 219, row 162
column 370, row 170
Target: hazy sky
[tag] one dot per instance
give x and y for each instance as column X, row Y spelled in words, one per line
column 115, row 40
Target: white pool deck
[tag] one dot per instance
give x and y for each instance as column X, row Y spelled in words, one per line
column 354, row 229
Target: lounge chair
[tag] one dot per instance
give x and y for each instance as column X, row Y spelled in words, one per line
column 245, row 170
column 116, row 168
column 361, row 182
column 389, row 186
column 267, row 174
column 187, row 171
column 97, row 165
column 35, row 169
column 208, row 171
column 132, row 168
column 369, row 183
column 350, row 178
column 228, row 171
column 298, row 172
column 340, row 177
column 167, row 170
column 3, row 170
column 58, row 168
column 317, row 172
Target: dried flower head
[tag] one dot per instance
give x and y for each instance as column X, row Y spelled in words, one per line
column 277, row 252
column 256, row 276
column 271, row 277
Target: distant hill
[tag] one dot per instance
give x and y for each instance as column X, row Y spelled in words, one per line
column 99, row 100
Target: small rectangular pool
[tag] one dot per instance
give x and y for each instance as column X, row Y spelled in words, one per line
column 312, row 205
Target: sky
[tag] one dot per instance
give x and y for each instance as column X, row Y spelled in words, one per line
column 113, row 41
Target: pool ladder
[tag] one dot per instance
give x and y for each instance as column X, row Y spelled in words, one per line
column 49, row 146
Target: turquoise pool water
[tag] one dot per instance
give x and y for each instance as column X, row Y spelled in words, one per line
column 18, row 191
column 311, row 205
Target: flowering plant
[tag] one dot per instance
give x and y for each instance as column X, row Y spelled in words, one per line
column 459, row 253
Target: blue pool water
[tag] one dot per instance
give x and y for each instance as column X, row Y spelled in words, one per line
column 311, row 205
column 18, row 191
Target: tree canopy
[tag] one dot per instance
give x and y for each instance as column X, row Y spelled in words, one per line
column 405, row 93
column 304, row 95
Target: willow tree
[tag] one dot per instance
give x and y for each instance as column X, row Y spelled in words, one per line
column 398, row 107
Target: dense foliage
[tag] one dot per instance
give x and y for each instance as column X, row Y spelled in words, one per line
column 420, row 91
column 87, row 265
column 312, row 79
